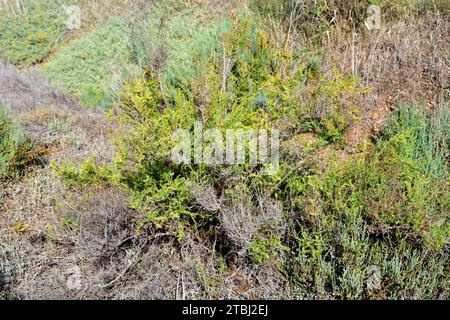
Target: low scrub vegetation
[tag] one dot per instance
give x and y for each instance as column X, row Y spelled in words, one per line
column 16, row 150
column 30, row 30
column 386, row 208
column 354, row 206
column 95, row 66
column 322, row 228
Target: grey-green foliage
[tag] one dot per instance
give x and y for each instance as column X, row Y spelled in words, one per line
column 191, row 37
column 86, row 68
column 180, row 39
column 344, row 271
column 95, row 66
column 14, row 146
column 431, row 136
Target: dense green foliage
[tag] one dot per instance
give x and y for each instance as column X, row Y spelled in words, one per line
column 260, row 99
column 31, row 30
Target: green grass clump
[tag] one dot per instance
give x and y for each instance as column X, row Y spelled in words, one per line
column 15, row 148
column 31, row 31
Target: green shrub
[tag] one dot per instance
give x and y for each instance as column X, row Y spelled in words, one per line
column 375, row 207
column 145, row 150
column 403, row 184
column 413, row 157
column 83, row 175
column 261, row 90
column 313, row 18
column 385, row 207
column 16, row 150
column 430, row 135
column 264, row 249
